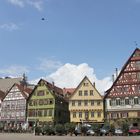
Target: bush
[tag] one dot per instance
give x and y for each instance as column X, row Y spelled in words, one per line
column 60, row 129
column 48, row 130
column 38, row 130
column 70, row 127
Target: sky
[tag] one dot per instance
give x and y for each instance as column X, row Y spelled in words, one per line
column 65, row 40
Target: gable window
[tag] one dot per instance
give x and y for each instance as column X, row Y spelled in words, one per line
column 85, row 93
column 40, row 93
column 80, row 92
column 91, row 92
column 85, row 84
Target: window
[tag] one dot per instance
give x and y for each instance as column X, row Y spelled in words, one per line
column 86, row 102
column 74, row 114
column 45, row 101
column 131, row 101
column 50, row 112
column 126, row 101
column 80, row 114
column 80, row 92
column 91, row 92
column 136, row 101
column 79, row 103
column 85, row 93
column 92, row 114
column 92, row 102
column 118, row 102
column 85, row 84
column 40, row 113
column 45, row 112
column 122, row 102
column 41, row 102
column 73, row 103
column 110, row 102
column 99, row 114
column 98, row 103
column 86, row 115
column 40, row 93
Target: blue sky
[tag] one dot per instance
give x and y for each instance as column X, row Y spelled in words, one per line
column 77, row 38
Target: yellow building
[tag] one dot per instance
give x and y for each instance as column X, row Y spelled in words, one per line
column 86, row 103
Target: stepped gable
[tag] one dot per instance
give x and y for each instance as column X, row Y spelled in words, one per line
column 128, row 81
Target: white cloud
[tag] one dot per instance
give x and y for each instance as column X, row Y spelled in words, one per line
column 38, row 4
column 70, row 75
column 9, row 26
column 48, row 65
column 14, row 70
column 19, row 3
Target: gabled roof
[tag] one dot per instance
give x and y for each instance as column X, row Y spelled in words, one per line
column 2, row 94
column 6, row 83
column 23, row 89
column 85, row 78
column 56, row 91
column 123, row 68
column 68, row 90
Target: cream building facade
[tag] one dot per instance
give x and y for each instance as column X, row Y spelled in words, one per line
column 86, row 103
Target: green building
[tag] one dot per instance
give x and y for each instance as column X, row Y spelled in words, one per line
column 46, row 104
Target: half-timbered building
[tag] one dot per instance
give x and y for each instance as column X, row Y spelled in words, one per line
column 122, row 100
column 13, row 107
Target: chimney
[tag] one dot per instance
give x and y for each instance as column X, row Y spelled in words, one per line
column 116, row 72
column 53, row 84
column 94, row 84
column 113, row 79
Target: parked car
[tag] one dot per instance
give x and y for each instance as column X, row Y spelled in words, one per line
column 104, row 130
column 118, row 132
column 90, row 132
column 134, row 131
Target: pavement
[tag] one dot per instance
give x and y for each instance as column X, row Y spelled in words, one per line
column 9, row 136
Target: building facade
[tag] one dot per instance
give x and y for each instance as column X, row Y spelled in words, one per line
column 46, row 104
column 122, row 100
column 13, row 106
column 86, row 103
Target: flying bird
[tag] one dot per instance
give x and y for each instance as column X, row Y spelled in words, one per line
column 42, row 18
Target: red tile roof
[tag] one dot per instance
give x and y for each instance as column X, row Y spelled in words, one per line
column 68, row 90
